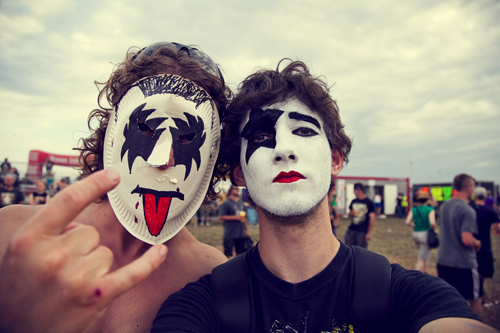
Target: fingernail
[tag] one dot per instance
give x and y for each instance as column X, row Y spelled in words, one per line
column 112, row 175
column 163, row 251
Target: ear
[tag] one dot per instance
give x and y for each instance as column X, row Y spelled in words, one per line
column 237, row 175
column 337, row 162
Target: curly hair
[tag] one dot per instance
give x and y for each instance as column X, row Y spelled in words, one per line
column 268, row 87
column 164, row 60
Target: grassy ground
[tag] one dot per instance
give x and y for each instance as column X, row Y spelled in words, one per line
column 392, row 238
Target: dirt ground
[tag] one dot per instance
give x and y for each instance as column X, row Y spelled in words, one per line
column 391, row 238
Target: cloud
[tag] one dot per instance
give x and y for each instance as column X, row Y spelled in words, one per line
column 416, row 82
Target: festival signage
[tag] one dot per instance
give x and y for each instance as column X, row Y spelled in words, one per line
column 38, row 159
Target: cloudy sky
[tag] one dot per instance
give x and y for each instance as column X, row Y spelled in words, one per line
column 418, row 83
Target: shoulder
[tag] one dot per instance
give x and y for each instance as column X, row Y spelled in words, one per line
column 190, row 253
column 225, row 203
column 11, row 219
column 428, row 209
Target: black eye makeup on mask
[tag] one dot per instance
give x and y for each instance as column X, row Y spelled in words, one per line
column 141, row 135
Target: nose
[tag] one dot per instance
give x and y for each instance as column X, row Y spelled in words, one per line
column 162, row 156
column 284, row 150
column 170, row 161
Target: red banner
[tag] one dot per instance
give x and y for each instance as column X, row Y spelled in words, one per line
column 38, row 159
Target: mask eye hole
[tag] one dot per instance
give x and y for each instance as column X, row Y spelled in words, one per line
column 187, row 138
column 145, row 130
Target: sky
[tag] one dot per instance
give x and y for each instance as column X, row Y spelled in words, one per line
column 417, row 83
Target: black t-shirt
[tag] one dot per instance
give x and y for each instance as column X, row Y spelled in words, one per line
column 485, row 216
column 40, row 199
column 10, row 197
column 363, row 208
column 317, row 305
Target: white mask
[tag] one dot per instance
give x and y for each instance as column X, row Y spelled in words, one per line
column 163, row 140
column 285, row 158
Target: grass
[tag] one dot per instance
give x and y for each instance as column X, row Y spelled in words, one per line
column 391, row 238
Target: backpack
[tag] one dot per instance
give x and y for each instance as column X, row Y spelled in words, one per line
column 369, row 302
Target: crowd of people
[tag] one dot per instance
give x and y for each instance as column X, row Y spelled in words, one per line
column 106, row 254
column 13, row 193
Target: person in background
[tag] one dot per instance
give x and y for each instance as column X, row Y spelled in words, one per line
column 425, row 219
column 399, row 207
column 9, row 195
column 334, row 216
column 456, row 261
column 234, row 223
column 487, row 221
column 404, row 204
column 5, row 167
column 362, row 213
column 489, row 199
column 40, row 196
column 378, row 203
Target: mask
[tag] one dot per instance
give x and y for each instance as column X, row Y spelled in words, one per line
column 163, row 140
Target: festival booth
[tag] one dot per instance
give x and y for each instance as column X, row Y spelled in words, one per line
column 442, row 192
column 387, row 188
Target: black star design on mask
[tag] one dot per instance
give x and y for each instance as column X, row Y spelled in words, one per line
column 141, row 135
column 187, row 140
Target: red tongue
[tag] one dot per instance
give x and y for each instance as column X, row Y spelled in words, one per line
column 155, row 216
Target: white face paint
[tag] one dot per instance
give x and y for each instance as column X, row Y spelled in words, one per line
column 163, row 140
column 285, row 158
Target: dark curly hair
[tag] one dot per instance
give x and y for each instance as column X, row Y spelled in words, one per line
column 268, row 87
column 166, row 59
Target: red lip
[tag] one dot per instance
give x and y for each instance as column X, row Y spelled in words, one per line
column 288, row 177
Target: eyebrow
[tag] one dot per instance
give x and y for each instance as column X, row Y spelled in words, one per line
column 304, row 117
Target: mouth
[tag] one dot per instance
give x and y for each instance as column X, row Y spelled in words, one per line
column 288, row 177
column 156, row 205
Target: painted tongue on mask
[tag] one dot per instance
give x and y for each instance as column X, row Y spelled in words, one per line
column 156, row 212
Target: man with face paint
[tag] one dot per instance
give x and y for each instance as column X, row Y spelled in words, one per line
column 70, row 266
column 284, row 140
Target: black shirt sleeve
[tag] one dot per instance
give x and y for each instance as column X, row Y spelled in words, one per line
column 419, row 298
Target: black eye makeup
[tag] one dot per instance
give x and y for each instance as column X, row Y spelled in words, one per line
column 304, row 131
column 259, row 131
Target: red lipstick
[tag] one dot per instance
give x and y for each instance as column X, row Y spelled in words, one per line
column 288, row 177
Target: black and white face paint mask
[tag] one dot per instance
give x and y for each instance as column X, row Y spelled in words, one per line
column 285, row 158
column 163, row 140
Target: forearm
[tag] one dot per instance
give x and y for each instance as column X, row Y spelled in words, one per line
column 409, row 218
column 456, row 325
column 470, row 241
column 372, row 223
column 229, row 217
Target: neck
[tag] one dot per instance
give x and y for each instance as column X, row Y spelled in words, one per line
column 462, row 195
column 297, row 248
column 8, row 188
column 124, row 246
column 479, row 202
